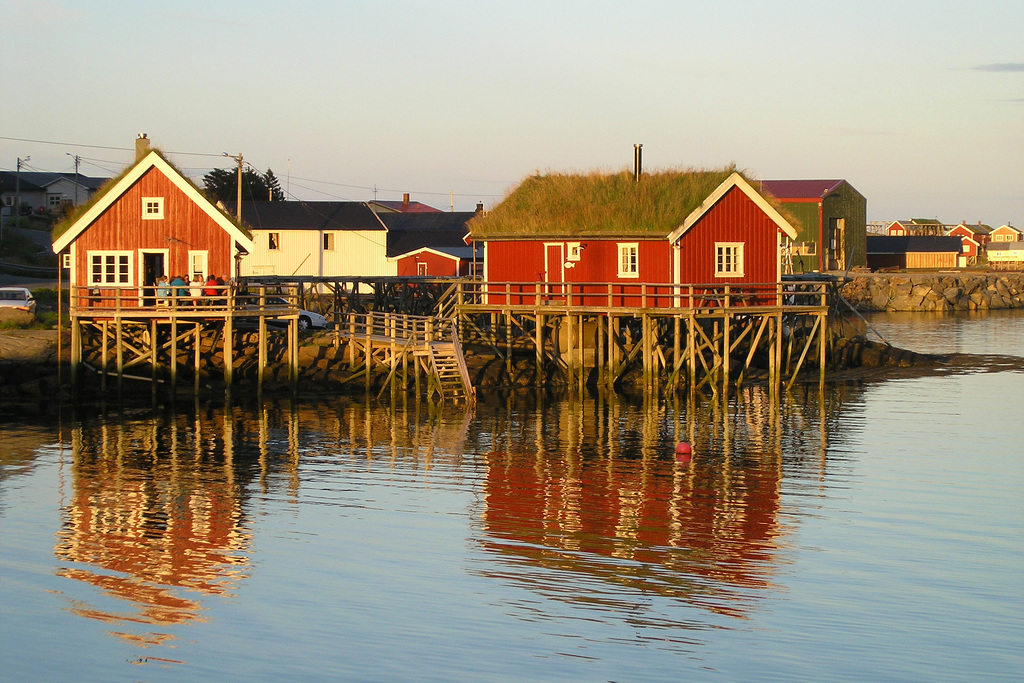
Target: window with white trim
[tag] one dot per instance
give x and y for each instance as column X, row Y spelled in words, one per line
column 110, row 268
column 273, row 241
column 198, row 264
column 152, row 208
column 629, row 260
column 728, row 259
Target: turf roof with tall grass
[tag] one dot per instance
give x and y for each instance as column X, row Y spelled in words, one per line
column 599, row 204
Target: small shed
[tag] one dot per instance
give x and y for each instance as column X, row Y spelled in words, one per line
column 831, row 219
column 912, row 252
column 148, row 222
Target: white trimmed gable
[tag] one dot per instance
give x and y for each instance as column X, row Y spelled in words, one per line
column 737, row 181
column 111, row 196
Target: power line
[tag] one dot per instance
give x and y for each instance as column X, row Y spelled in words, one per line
column 308, row 180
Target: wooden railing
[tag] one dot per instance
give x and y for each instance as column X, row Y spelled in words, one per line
column 603, row 295
column 395, row 327
column 213, row 301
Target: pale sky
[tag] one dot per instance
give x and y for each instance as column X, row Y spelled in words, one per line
column 919, row 105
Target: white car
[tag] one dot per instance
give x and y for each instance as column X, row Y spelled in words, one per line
column 17, row 297
column 307, row 319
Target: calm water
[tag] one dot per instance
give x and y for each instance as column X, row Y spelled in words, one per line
column 869, row 532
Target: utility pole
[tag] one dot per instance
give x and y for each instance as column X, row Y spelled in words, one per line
column 17, row 195
column 78, row 160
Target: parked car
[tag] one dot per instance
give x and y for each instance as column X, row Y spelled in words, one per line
column 17, row 297
column 307, row 319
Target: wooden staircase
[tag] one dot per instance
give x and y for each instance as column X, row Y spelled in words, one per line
column 450, row 373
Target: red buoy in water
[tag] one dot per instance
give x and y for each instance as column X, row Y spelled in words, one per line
column 683, row 452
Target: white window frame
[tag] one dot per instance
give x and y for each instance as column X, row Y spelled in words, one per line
column 573, row 251
column 152, row 208
column 628, row 259
column 53, row 201
column 120, row 258
column 421, row 268
column 273, row 241
column 198, row 264
column 729, row 266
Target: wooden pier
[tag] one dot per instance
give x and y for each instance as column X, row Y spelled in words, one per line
column 412, row 331
column 124, row 330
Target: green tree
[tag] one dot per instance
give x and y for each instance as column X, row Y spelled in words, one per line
column 221, row 184
column 273, row 186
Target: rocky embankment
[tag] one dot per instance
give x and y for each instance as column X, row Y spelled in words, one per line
column 934, row 291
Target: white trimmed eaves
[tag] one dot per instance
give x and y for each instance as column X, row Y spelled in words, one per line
column 152, row 160
column 426, row 250
column 737, row 181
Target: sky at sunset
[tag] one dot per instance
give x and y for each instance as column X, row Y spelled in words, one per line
column 919, row 105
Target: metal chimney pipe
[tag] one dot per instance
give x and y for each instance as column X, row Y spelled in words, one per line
column 637, row 162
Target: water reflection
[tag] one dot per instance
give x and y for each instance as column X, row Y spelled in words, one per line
column 579, row 502
column 592, row 495
column 153, row 519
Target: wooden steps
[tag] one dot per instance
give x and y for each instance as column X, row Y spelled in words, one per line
column 449, row 368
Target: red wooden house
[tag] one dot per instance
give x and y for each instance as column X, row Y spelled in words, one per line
column 151, row 221
column 588, row 233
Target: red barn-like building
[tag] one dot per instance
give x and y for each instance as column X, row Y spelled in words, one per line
column 678, row 228
column 149, row 222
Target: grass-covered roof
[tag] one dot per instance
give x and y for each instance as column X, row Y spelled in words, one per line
column 600, row 204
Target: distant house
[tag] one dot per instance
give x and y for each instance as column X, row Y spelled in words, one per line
column 702, row 227
column 979, row 232
column 405, row 206
column 314, row 239
column 1006, row 255
column 918, row 227
column 1007, row 233
column 831, row 220
column 913, row 251
column 46, row 192
column 150, row 221
column 432, row 244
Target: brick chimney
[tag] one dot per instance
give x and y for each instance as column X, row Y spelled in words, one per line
column 141, row 146
column 405, row 200
column 479, row 208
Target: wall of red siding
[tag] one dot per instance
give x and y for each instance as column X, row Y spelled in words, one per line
column 437, row 265
column 185, row 227
column 735, row 218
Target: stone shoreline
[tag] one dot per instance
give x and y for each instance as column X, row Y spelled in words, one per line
column 934, row 291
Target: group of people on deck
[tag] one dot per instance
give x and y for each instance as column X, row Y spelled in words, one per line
column 180, row 292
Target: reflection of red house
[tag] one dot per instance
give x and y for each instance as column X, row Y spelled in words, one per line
column 641, row 511
column 149, row 222
column 139, row 529
column 681, row 227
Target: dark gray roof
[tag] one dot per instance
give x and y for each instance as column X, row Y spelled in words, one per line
column 307, row 215
column 463, row 253
column 37, row 181
column 1005, row 246
column 411, row 231
column 902, row 244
